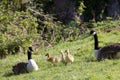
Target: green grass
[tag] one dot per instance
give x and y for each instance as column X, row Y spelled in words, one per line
column 85, row 66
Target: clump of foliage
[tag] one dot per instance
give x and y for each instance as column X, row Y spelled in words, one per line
column 17, row 29
column 50, row 30
column 53, row 32
column 108, row 23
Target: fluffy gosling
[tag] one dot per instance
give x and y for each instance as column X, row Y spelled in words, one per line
column 53, row 59
column 69, row 58
column 63, row 57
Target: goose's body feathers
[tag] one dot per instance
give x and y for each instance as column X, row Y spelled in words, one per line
column 31, row 65
column 109, row 51
column 20, row 68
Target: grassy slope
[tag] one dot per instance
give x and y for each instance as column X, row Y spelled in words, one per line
column 85, row 66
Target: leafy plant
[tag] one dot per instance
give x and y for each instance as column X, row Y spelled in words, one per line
column 17, row 30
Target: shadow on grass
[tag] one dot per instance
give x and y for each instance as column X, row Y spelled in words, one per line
column 8, row 74
column 91, row 60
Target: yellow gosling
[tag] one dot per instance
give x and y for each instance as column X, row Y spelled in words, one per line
column 69, row 58
column 53, row 59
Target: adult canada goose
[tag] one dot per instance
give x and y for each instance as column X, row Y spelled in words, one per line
column 24, row 67
column 107, row 52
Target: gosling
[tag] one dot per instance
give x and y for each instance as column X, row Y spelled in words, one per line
column 69, row 58
column 53, row 59
column 63, row 57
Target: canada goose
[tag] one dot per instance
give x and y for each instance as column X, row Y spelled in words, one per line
column 107, row 52
column 53, row 59
column 23, row 67
column 69, row 58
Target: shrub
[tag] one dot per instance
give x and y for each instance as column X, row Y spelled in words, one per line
column 53, row 32
column 17, row 29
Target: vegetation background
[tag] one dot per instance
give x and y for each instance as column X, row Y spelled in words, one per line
column 52, row 25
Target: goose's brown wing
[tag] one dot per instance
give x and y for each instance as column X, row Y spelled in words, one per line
column 113, row 48
column 20, row 68
column 109, row 51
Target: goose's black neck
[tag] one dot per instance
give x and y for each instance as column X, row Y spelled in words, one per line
column 29, row 55
column 96, row 46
